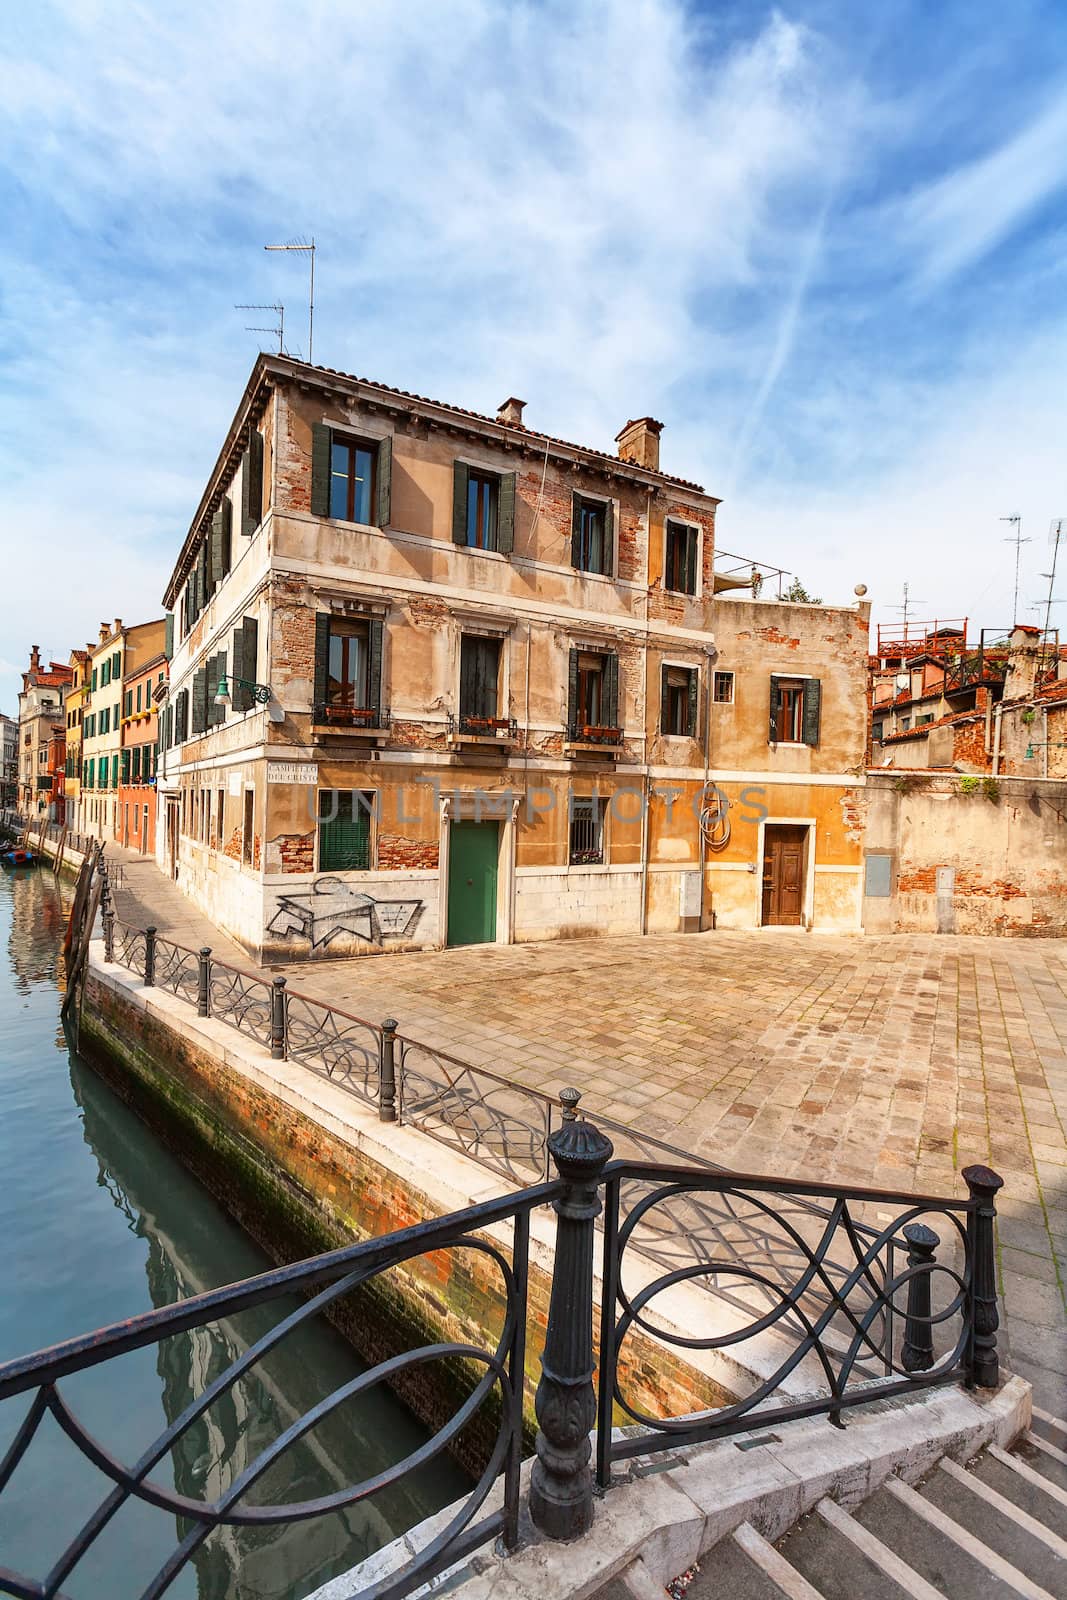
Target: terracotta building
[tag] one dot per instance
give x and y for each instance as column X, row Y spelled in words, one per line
column 41, row 715
column 438, row 678
column 119, row 652
column 143, row 688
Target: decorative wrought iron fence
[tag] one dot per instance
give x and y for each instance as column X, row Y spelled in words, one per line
column 495, row 1121
column 177, row 969
column 241, row 1001
column 342, row 1046
column 327, row 1279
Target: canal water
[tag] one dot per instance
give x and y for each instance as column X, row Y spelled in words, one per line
column 99, row 1222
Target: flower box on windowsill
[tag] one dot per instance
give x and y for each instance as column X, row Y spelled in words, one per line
column 587, row 739
column 368, row 722
column 499, row 733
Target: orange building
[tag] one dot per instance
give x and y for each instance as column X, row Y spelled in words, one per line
column 135, row 823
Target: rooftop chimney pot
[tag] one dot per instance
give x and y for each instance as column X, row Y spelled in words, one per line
column 105, row 632
column 118, row 624
column 639, row 442
column 511, row 412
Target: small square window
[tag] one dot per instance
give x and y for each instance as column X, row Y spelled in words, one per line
column 723, row 689
column 587, row 831
column 680, row 570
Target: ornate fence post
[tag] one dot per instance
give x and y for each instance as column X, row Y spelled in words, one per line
column 387, row 1072
column 278, row 1041
column 917, row 1352
column 561, row 1484
column 149, row 957
column 203, row 982
column 983, row 1184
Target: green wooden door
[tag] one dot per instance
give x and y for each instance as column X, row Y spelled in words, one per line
column 472, row 859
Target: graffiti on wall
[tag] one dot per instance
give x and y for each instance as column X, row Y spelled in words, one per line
column 333, row 908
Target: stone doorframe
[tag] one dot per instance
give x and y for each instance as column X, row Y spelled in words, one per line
column 508, row 819
column 809, row 865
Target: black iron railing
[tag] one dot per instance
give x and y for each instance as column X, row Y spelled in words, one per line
column 929, row 1323
column 374, row 718
column 585, row 733
column 505, row 729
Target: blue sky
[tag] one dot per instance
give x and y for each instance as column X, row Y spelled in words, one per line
column 823, row 242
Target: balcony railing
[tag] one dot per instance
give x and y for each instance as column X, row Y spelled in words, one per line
column 590, row 734
column 505, row 730
column 359, row 719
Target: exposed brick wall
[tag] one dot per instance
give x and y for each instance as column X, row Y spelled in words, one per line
column 293, row 636
column 233, row 845
column 396, row 851
column 968, row 744
column 297, row 852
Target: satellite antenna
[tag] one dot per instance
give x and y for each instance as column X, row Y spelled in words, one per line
column 277, row 331
column 1018, row 541
column 306, row 247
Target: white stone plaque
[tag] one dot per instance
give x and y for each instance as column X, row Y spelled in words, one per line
column 292, row 772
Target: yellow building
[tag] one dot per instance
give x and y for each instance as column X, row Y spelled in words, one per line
column 118, row 652
column 439, row 678
column 75, row 708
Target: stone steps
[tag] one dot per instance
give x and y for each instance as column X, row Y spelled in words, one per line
column 995, row 1528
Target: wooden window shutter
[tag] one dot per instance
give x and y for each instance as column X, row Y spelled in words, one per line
column 212, row 712
column 576, row 531
column 611, row 691
column 249, row 658
column 214, row 559
column 692, row 544
column 199, row 701
column 126, row 764
column 322, row 655
column 115, row 771
column 609, row 538
column 572, row 691
column 252, row 484
column 238, row 695
column 168, row 636
column 505, row 514
column 694, row 702
column 383, row 473
column 812, row 710
column 226, row 539
column 374, row 663
column 772, row 735
column 664, row 701
column 460, row 481
column 321, row 442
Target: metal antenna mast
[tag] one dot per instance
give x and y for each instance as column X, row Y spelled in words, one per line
column 278, row 332
column 303, row 247
column 1018, row 541
column 908, row 603
column 1055, row 534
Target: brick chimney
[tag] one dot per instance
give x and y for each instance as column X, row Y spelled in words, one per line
column 105, row 633
column 35, row 659
column 118, row 624
column 1024, row 652
column 639, row 442
column 511, row 412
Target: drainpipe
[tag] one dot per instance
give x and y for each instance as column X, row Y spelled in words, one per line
column 1044, row 742
column 711, row 655
column 646, row 804
column 996, row 739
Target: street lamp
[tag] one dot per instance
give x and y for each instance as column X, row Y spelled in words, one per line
column 261, row 693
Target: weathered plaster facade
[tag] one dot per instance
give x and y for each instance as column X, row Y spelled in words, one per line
column 589, row 798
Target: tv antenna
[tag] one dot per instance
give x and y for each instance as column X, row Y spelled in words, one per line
column 1018, row 541
column 904, row 609
column 277, row 331
column 305, row 247
column 1055, row 535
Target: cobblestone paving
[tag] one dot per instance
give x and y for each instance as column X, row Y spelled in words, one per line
column 892, row 1062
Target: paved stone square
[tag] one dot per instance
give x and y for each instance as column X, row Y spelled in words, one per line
column 886, row 1061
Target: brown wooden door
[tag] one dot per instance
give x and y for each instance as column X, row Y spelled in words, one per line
column 783, row 877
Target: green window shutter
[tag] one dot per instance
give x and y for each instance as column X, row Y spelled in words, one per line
column 505, row 514
column 691, row 544
column 252, row 484
column 322, row 655
column 199, row 710
column 773, row 731
column 216, row 669
column 609, row 539
column 812, row 710
column 237, row 694
column 116, row 665
column 374, row 663
column 460, row 481
column 214, row 551
column 694, row 702
column 115, row 770
column 572, row 691
column 94, row 679
column 383, row 511
column 344, row 831
column 321, row 442
column 611, row 691
column 168, row 640
column 249, row 658
column 226, row 558
column 664, row 702
column 576, row 531
column 126, row 765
